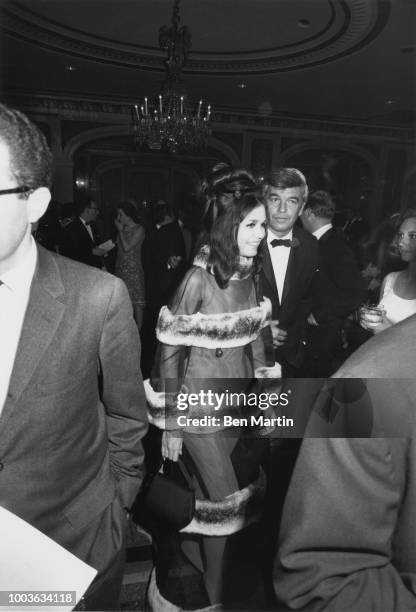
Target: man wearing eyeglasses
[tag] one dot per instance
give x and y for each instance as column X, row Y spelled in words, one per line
column 78, row 239
column 71, row 395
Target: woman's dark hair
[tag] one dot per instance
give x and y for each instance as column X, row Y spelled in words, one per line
column 223, row 183
column 223, row 260
column 409, row 213
column 130, row 210
column 398, row 219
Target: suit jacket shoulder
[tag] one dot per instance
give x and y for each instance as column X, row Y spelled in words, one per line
column 306, row 239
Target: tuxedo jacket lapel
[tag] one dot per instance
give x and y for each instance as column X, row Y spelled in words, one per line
column 290, row 272
column 268, row 270
column 43, row 314
column 85, row 229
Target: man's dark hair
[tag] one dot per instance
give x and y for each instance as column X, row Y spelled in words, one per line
column 321, row 204
column 284, row 178
column 30, row 156
column 82, row 203
column 161, row 211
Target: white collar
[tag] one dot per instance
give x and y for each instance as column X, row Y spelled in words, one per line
column 271, row 236
column 322, row 230
column 19, row 278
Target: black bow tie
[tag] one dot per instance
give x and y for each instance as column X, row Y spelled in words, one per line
column 281, row 242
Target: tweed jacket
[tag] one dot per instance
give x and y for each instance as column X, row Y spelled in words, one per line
column 74, row 416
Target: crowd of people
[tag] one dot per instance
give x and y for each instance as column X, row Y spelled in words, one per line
column 261, row 301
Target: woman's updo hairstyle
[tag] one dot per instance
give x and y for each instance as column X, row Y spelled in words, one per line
column 223, row 184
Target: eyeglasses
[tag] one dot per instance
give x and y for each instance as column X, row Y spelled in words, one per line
column 93, row 208
column 15, row 190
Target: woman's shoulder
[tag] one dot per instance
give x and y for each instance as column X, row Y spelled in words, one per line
column 195, row 283
column 390, row 279
column 197, row 276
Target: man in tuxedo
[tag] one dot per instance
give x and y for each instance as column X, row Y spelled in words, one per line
column 341, row 288
column 72, row 402
column 165, row 263
column 78, row 238
column 347, row 539
column 290, row 265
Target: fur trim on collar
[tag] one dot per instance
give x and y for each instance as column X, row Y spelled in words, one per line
column 201, row 258
column 212, row 331
column 244, row 264
column 231, row 514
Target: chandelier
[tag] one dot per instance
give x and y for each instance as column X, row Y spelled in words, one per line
column 171, row 123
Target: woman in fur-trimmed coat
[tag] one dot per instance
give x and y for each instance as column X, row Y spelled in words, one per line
column 210, row 341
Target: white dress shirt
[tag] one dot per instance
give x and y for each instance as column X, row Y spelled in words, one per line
column 322, row 230
column 88, row 228
column 280, row 258
column 14, row 297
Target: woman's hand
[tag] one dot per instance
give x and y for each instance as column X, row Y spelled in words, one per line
column 374, row 319
column 118, row 225
column 172, row 444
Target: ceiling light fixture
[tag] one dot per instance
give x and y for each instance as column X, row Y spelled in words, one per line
column 170, row 123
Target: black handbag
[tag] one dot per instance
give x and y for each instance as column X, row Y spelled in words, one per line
column 167, row 499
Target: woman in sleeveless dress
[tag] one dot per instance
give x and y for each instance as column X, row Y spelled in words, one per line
column 398, row 291
column 129, row 256
column 210, row 342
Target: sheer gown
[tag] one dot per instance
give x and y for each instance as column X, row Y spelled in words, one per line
column 210, row 341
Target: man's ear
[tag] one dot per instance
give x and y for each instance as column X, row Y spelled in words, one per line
column 37, row 203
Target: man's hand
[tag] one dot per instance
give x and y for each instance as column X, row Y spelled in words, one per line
column 279, row 335
column 172, row 445
column 174, row 261
column 99, row 252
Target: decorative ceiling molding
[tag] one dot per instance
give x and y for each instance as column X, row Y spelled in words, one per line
column 118, row 112
column 346, row 27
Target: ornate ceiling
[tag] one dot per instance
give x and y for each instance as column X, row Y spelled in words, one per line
column 346, row 59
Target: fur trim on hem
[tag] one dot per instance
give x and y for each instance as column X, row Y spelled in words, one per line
column 229, row 515
column 222, row 330
column 158, row 603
